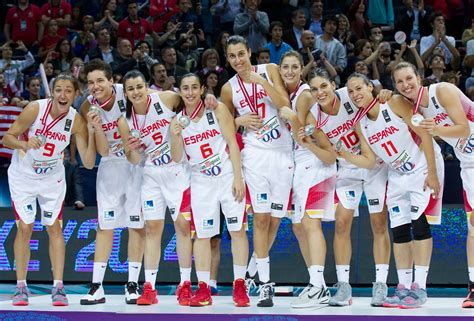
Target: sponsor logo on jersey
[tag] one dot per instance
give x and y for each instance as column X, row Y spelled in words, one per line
column 348, row 107
column 47, row 214
column 134, row 218
column 50, row 135
column 277, row 207
column 148, row 205
column 158, row 108
column 172, row 211
column 394, row 211
column 121, row 106
column 210, row 119
column 28, row 209
column 374, row 202
column 435, row 103
column 201, row 136
column 208, row 223
column 67, row 126
column 384, row 133
column 414, row 209
column 109, row 215
column 350, row 195
column 232, row 220
column 386, row 116
column 262, row 198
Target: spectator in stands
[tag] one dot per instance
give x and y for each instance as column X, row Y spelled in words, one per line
column 252, row 24
column 6, row 92
column 439, row 39
column 161, row 81
column 59, row 10
column 375, row 36
column 161, row 11
column 307, row 40
column 103, row 50
column 220, row 47
column 469, row 63
column 292, row 36
column 110, row 17
column 12, row 69
column 332, row 49
column 63, row 61
column 380, row 13
column 127, row 59
column 225, row 12
column 468, row 34
column 210, row 62
column 186, row 15
column 169, row 58
column 276, row 46
column 437, row 66
column 344, row 33
column 211, row 83
column 133, row 27
column 169, row 37
column 373, row 75
column 23, row 22
column 315, row 26
column 32, row 92
column 263, row 56
column 76, row 19
column 357, row 19
column 187, row 50
column 84, row 41
column 50, row 39
column 145, row 48
column 413, row 20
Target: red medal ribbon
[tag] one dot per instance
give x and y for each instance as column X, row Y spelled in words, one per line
column 135, row 118
column 419, row 97
column 320, row 123
column 47, row 127
column 252, row 106
column 96, row 102
column 293, row 94
column 364, row 111
column 196, row 110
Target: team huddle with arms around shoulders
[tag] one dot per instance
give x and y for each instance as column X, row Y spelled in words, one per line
column 309, row 152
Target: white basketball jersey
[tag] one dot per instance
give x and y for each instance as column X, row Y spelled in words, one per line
column 110, row 123
column 463, row 147
column 154, row 131
column 205, row 146
column 391, row 140
column 46, row 160
column 340, row 126
column 274, row 134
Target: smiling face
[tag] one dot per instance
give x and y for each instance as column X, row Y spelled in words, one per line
column 64, row 93
column 290, row 70
column 136, row 90
column 407, row 82
column 322, row 90
column 238, row 56
column 98, row 85
column 34, row 86
column 191, row 90
column 359, row 92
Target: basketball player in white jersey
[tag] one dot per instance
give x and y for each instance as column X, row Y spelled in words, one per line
column 314, row 181
column 207, row 140
column 448, row 114
column 36, row 174
column 258, row 92
column 165, row 183
column 335, row 117
column 413, row 190
column 117, row 203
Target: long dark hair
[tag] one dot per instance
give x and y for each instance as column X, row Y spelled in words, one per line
column 130, row 75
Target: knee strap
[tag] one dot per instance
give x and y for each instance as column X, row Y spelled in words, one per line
column 421, row 228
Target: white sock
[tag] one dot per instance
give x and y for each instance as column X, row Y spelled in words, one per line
column 239, row 271
column 316, row 275
column 213, row 283
column 421, row 274
column 18, row 282
column 405, row 277
column 56, row 282
column 471, row 273
column 381, row 273
column 150, row 276
column 185, row 274
column 252, row 267
column 98, row 272
column 342, row 272
column 204, row 276
column 263, row 267
column 134, row 271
